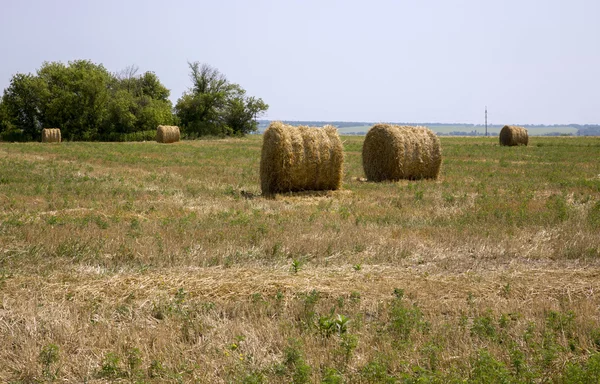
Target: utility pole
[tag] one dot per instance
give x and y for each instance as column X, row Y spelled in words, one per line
column 486, row 120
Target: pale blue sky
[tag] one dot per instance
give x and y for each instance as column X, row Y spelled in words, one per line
column 405, row 61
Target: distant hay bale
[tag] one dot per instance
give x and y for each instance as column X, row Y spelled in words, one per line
column 51, row 135
column 512, row 135
column 167, row 134
column 300, row 159
column 392, row 152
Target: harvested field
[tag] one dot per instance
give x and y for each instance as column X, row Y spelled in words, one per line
column 125, row 262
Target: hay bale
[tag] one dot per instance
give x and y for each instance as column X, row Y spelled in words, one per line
column 51, row 135
column 167, row 134
column 512, row 135
column 392, row 152
column 300, row 159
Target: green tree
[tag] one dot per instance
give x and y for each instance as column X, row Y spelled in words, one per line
column 214, row 106
column 21, row 105
column 137, row 103
column 121, row 116
column 75, row 98
column 85, row 101
column 5, row 124
column 241, row 111
column 153, row 105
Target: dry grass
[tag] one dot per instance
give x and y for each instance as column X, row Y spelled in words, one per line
column 143, row 262
column 300, row 158
column 51, row 135
column 392, row 152
column 167, row 134
column 511, row 135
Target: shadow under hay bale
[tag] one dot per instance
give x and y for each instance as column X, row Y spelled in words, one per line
column 167, row 134
column 392, row 152
column 512, row 135
column 51, row 135
column 300, row 159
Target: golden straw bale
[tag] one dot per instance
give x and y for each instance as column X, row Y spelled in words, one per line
column 300, row 159
column 392, row 152
column 51, row 135
column 512, row 135
column 167, row 134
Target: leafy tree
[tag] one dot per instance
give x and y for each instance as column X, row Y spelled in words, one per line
column 85, row 101
column 5, row 124
column 214, row 106
column 120, row 114
column 199, row 108
column 138, row 103
column 152, row 101
column 241, row 111
column 151, row 86
column 20, row 104
column 75, row 98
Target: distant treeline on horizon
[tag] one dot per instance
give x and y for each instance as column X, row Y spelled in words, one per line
column 450, row 129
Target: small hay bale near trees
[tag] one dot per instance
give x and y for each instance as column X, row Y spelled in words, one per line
column 51, row 135
column 392, row 152
column 512, row 135
column 167, row 134
column 300, row 159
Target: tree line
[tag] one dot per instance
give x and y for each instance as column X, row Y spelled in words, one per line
column 87, row 102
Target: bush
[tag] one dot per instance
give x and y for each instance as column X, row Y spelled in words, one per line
column 133, row 136
column 488, row 370
column 587, row 372
column 594, row 215
column 15, row 135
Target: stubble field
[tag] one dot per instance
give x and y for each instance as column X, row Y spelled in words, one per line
column 142, row 262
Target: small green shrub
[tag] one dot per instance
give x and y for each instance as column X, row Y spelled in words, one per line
column 557, row 208
column 594, row 215
column 134, row 362
column 483, row 326
column 586, row 372
column 294, row 365
column 296, row 265
column 487, row 370
column 15, row 135
column 404, row 319
column 329, row 325
column 254, row 378
column 332, row 376
column 560, row 322
column 377, row 371
column 595, row 335
column 48, row 357
column 109, row 368
column 132, row 136
column 156, row 370
column 348, row 344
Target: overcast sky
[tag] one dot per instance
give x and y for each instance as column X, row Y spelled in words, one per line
column 348, row 60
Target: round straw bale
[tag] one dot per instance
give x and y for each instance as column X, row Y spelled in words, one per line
column 512, row 135
column 392, row 152
column 51, row 135
column 167, row 134
column 300, row 158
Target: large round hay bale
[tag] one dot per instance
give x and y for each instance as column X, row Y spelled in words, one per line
column 392, row 152
column 300, row 159
column 512, row 135
column 167, row 134
column 51, row 135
